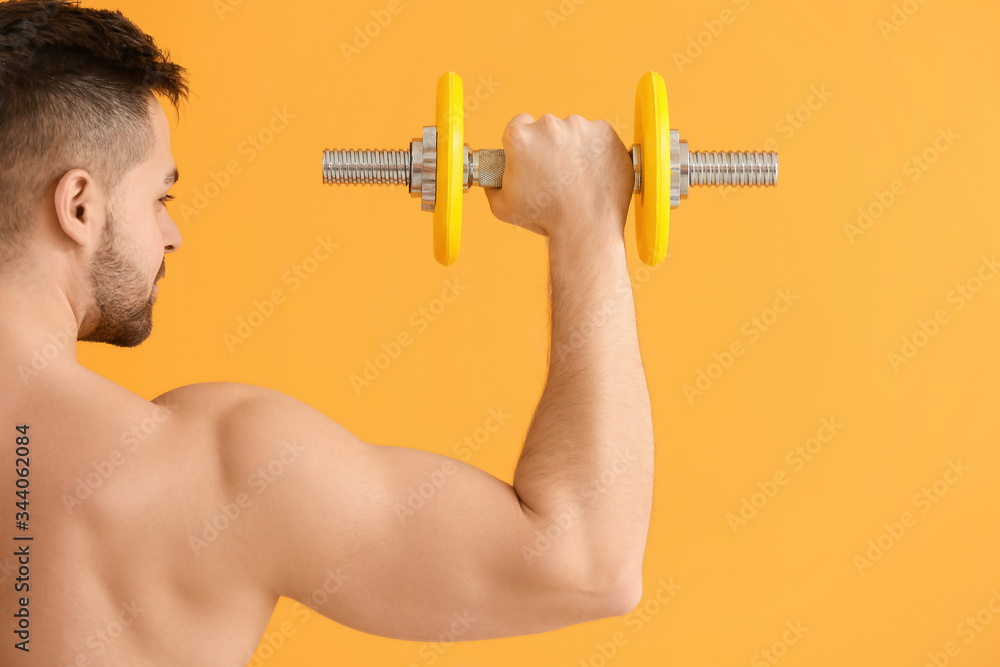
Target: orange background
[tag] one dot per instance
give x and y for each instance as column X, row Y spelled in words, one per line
column 887, row 91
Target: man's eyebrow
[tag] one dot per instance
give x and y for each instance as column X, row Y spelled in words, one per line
column 172, row 177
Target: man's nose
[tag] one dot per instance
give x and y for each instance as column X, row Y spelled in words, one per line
column 171, row 236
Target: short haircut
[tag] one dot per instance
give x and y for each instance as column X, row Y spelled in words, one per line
column 75, row 86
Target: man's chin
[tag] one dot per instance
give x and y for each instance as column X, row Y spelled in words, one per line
column 131, row 334
column 129, row 341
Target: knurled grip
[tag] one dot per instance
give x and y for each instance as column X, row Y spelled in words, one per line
column 492, row 162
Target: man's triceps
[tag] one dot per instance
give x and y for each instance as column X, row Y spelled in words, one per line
column 396, row 541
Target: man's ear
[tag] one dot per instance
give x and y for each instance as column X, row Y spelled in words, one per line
column 80, row 206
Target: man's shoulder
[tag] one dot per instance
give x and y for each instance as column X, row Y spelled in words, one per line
column 220, row 411
column 213, row 399
column 249, row 420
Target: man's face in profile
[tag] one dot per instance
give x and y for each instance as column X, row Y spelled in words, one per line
column 130, row 260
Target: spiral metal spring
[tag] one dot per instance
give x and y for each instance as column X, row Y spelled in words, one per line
column 733, row 168
column 366, row 166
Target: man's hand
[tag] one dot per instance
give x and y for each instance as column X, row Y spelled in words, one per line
column 563, row 176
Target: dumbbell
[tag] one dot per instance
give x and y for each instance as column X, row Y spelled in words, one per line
column 439, row 167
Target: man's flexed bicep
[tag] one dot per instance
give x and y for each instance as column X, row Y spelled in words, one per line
column 397, row 541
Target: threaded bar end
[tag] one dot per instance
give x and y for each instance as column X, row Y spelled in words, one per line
column 366, row 166
column 733, row 168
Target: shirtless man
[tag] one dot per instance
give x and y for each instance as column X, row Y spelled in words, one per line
column 179, row 521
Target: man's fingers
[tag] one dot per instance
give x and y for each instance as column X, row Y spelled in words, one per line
column 521, row 119
column 495, row 196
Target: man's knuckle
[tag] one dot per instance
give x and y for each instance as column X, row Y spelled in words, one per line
column 548, row 120
column 516, row 134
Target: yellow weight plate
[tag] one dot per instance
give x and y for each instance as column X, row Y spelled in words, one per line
column 652, row 203
column 450, row 156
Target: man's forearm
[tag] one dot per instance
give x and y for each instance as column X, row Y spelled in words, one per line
column 587, row 462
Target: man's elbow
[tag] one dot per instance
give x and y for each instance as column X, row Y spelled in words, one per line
column 592, row 584
column 622, row 597
column 608, row 594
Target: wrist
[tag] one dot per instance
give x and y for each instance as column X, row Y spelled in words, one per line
column 578, row 243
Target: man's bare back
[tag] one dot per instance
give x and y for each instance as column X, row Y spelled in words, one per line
column 162, row 532
column 117, row 485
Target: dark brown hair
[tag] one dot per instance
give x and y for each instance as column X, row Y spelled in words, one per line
column 74, row 93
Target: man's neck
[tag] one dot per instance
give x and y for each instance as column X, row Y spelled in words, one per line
column 39, row 327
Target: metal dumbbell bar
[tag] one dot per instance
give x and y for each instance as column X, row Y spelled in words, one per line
column 438, row 168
